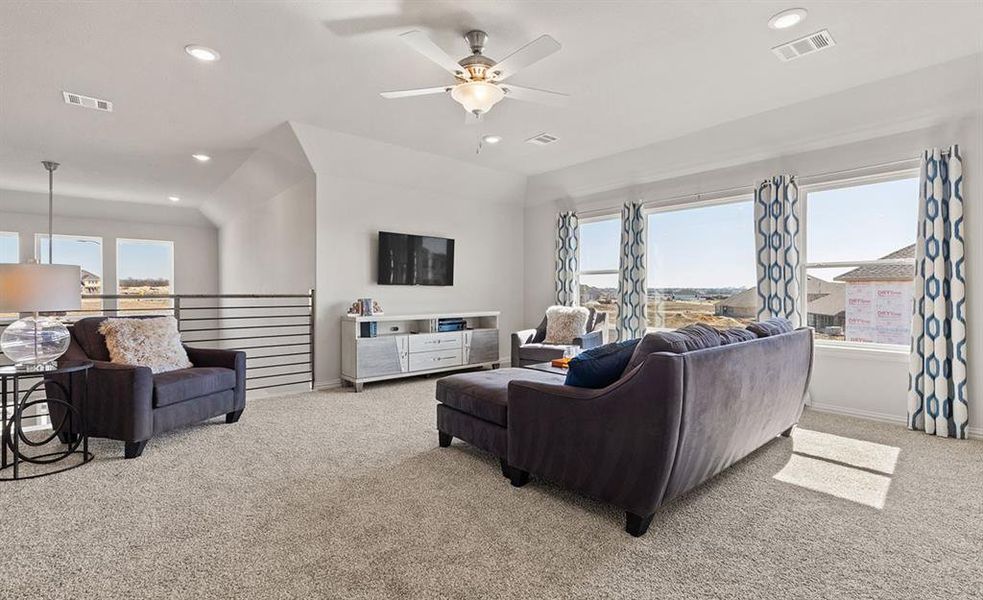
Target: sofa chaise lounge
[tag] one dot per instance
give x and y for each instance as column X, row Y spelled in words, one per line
column 663, row 428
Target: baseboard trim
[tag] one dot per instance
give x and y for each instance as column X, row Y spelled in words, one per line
column 327, row 385
column 870, row 415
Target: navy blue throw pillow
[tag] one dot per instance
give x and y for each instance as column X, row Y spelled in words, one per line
column 600, row 367
column 735, row 335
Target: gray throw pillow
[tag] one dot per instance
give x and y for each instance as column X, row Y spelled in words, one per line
column 770, row 327
column 686, row 339
column 735, row 335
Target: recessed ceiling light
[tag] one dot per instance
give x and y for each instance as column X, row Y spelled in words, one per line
column 491, row 139
column 173, row 198
column 201, row 157
column 787, row 18
column 202, row 53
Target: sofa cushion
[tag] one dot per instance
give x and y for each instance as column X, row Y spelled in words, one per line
column 735, row 335
column 686, row 339
column 153, row 343
column 600, row 367
column 541, row 352
column 770, row 327
column 563, row 323
column 184, row 384
column 485, row 394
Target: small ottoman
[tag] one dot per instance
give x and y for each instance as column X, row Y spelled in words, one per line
column 474, row 407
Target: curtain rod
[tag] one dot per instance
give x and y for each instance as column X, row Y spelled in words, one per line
column 724, row 192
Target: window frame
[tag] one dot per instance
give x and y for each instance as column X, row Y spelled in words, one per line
column 16, row 236
column 909, row 171
column 170, row 243
column 91, row 238
column 656, row 207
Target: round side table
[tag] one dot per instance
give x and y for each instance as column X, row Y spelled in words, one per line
column 15, row 443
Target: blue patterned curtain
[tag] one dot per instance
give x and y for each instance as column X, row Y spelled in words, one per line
column 938, row 402
column 778, row 218
column 631, row 277
column 567, row 259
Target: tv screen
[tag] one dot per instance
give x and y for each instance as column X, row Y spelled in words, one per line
column 415, row 259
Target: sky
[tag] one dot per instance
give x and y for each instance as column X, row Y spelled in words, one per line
column 135, row 258
column 713, row 246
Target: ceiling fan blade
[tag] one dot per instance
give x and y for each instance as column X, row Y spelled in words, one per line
column 422, row 43
column 416, row 92
column 533, row 52
column 527, row 94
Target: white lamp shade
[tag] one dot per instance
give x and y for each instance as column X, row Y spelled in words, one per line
column 477, row 96
column 40, row 288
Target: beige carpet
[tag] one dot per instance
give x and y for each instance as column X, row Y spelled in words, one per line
column 343, row 495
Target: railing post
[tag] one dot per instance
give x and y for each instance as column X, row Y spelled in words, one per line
column 313, row 308
column 177, row 312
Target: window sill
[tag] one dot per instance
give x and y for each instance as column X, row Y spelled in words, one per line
column 881, row 352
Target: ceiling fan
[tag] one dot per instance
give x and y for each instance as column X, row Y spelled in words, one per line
column 480, row 81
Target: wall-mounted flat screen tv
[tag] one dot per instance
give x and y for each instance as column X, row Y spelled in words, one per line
column 415, row 259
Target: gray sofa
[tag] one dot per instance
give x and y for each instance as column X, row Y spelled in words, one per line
column 131, row 404
column 529, row 347
column 663, row 428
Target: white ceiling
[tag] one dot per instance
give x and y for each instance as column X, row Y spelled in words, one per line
column 638, row 73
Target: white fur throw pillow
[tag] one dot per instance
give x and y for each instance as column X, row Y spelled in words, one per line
column 153, row 343
column 563, row 323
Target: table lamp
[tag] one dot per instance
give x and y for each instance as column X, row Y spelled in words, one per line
column 34, row 288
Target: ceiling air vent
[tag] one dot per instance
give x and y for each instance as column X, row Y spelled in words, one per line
column 542, row 139
column 810, row 44
column 87, row 102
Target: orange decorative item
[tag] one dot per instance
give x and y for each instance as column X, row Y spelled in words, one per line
column 561, row 363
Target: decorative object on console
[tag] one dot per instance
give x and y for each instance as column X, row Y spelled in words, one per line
column 34, row 288
column 358, row 307
column 938, row 394
column 777, row 229
column 564, row 323
column 600, row 367
column 154, row 343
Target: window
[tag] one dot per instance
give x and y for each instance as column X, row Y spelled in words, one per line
column 701, row 266
column 9, row 252
column 144, row 268
column 86, row 252
column 860, row 247
column 599, row 256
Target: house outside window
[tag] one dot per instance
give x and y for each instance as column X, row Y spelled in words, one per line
column 81, row 250
column 701, row 265
column 860, row 248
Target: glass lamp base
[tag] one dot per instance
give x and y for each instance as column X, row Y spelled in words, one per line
column 35, row 340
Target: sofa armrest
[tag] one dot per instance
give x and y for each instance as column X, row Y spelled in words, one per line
column 119, row 401
column 590, row 340
column 616, row 444
column 214, row 357
column 520, row 338
column 226, row 359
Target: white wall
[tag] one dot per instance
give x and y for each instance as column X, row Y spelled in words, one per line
column 882, row 122
column 269, row 249
column 364, row 186
column 195, row 238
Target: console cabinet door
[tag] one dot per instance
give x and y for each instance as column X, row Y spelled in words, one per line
column 378, row 356
column 484, row 346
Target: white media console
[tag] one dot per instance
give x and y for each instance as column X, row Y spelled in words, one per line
column 406, row 345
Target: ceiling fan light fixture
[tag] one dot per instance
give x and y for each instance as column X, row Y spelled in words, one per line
column 477, row 97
